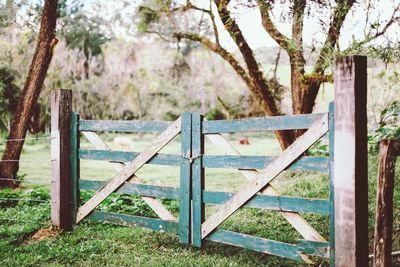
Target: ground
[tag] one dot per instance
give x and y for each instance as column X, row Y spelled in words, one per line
column 25, row 238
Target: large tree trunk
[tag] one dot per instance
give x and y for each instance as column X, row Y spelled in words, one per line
column 29, row 96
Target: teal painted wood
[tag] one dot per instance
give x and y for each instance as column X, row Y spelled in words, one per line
column 125, row 156
column 74, row 164
column 197, row 179
column 331, row 184
column 261, row 124
column 123, row 126
column 263, row 245
column 185, row 179
column 282, row 203
column 134, row 221
column 314, row 248
column 208, row 161
column 134, row 189
column 259, row 162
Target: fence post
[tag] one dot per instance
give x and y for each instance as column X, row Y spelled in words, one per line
column 185, row 179
column 197, row 179
column 331, row 119
column 350, row 162
column 61, row 193
column 388, row 151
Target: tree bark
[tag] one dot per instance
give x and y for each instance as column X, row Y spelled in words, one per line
column 388, row 151
column 29, row 96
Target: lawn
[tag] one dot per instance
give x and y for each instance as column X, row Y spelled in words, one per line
column 104, row 244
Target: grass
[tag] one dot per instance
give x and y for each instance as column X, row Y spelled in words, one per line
column 104, row 244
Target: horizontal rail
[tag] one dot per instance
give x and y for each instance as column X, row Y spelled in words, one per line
column 281, row 203
column 122, row 126
column 124, row 156
column 135, row 221
column 259, row 162
column 268, row 202
column 261, row 124
column 209, row 161
column 263, row 245
column 134, row 189
column 218, row 126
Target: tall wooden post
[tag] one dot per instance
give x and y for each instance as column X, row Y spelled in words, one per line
column 350, row 162
column 388, row 151
column 61, row 193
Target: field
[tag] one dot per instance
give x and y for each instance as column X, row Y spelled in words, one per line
column 24, row 212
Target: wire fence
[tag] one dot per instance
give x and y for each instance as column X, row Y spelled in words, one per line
column 2, row 141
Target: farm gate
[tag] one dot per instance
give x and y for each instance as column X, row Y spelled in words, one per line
column 192, row 226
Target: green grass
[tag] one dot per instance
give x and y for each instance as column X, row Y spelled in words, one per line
column 104, row 244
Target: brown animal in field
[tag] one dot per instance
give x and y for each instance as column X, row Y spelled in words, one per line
column 244, row 141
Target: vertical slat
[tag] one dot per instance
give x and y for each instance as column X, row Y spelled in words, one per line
column 61, row 195
column 198, row 179
column 350, row 162
column 331, row 119
column 74, row 164
column 185, row 179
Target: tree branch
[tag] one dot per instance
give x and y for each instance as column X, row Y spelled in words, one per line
column 260, row 89
column 214, row 47
column 325, row 56
column 270, row 28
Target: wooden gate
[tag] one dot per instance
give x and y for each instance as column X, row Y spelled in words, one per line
column 192, row 226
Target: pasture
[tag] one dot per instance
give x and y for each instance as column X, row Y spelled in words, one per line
column 104, row 244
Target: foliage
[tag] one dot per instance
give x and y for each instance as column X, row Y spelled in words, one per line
column 9, row 93
column 389, row 126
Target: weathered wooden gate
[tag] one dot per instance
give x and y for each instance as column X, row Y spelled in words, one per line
column 192, row 226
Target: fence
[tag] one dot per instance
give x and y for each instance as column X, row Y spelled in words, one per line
column 347, row 167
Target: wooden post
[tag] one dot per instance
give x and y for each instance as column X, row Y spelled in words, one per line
column 198, row 179
column 350, row 162
column 61, row 193
column 331, row 119
column 185, row 179
column 388, row 151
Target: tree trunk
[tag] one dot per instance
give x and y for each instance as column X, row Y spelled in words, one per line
column 30, row 94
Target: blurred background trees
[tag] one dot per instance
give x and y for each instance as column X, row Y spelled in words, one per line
column 123, row 61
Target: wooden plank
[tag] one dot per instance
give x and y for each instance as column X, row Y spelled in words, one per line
column 350, row 163
column 331, row 184
column 149, row 191
column 61, row 193
column 153, row 203
column 298, row 222
column 74, row 165
column 125, row 156
column 185, row 180
column 259, row 162
column 261, row 124
column 318, row 129
column 280, row 203
column 123, row 126
column 127, row 172
column 134, row 221
column 263, row 245
column 197, row 179
column 384, row 203
column 209, row 161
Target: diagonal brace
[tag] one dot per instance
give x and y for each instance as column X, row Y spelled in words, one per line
column 153, row 203
column 127, row 172
column 318, row 129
